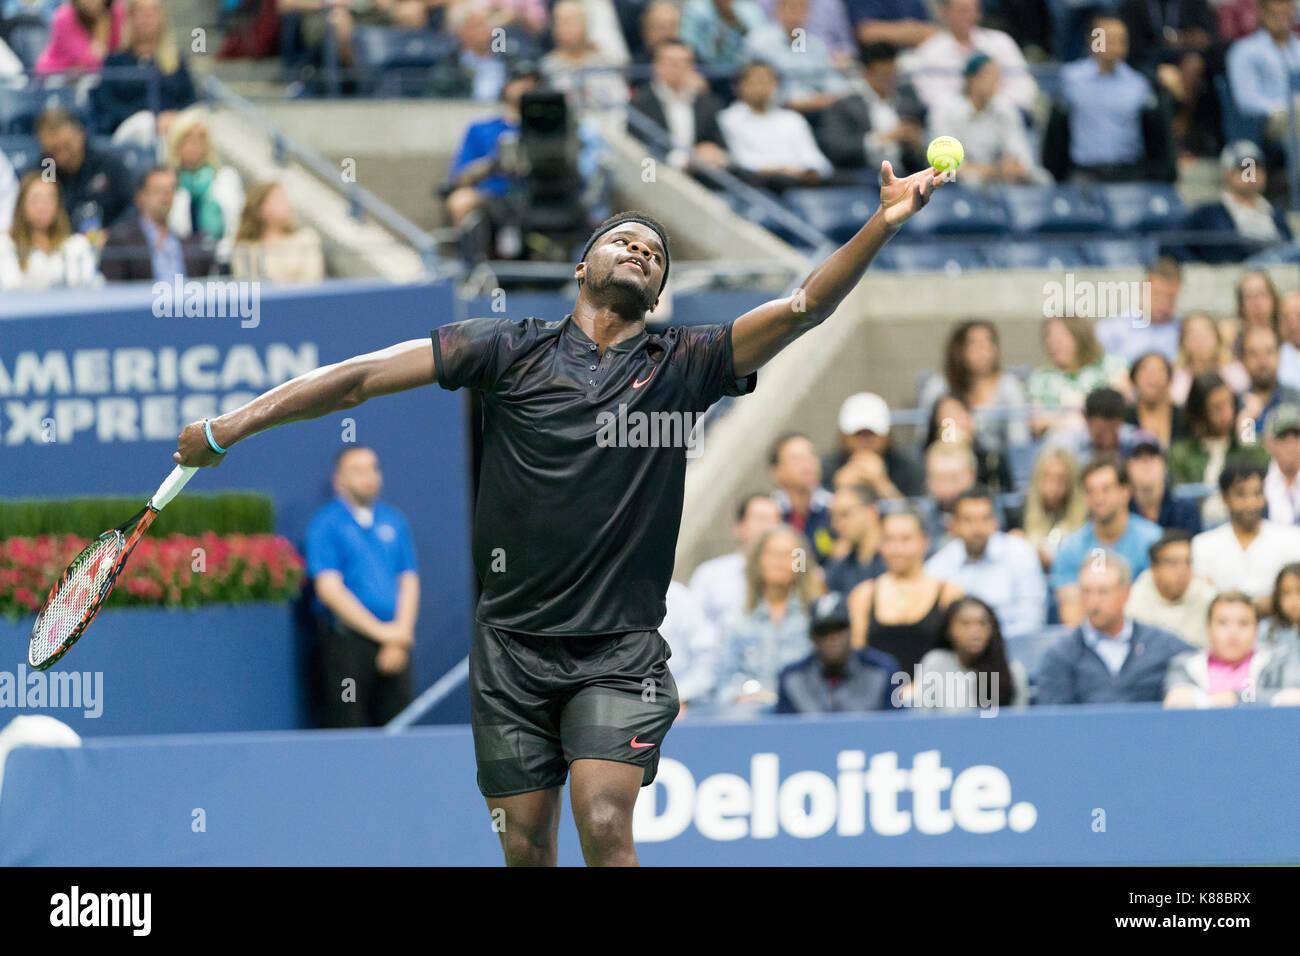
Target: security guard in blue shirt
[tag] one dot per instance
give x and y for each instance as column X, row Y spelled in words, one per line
column 362, row 562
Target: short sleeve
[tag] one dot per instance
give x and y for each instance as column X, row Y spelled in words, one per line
column 406, row 547
column 1065, row 567
column 468, row 354
column 706, row 357
column 323, row 552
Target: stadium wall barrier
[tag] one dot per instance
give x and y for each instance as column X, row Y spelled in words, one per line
column 167, row 671
column 95, row 386
column 1105, row 785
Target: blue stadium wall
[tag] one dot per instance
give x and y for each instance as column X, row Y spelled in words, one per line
column 134, row 380
column 1102, row 785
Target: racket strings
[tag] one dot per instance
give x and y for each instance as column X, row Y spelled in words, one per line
column 74, row 597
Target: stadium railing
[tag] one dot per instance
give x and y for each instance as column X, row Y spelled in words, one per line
column 361, row 202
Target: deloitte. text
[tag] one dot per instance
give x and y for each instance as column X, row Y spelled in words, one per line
column 879, row 794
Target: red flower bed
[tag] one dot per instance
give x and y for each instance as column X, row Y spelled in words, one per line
column 176, row 571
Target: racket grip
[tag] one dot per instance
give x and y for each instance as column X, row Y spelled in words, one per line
column 170, row 488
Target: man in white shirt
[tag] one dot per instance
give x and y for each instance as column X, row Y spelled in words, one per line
column 677, row 98
column 990, row 127
column 1242, row 219
column 936, row 65
column 1168, row 595
column 1282, row 481
column 775, row 145
column 719, row 583
column 879, row 120
column 1246, row 553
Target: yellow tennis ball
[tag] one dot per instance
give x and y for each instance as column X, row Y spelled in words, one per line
column 945, row 153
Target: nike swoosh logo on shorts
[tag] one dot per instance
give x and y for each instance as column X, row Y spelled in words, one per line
column 638, row 746
column 647, row 378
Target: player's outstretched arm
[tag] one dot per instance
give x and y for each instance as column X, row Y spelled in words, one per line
column 329, row 388
column 762, row 332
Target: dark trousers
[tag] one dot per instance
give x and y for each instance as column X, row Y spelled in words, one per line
column 353, row 691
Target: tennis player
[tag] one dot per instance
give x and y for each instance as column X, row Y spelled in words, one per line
column 574, row 537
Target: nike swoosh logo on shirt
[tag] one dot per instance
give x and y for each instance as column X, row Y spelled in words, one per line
column 638, row 384
column 637, row 746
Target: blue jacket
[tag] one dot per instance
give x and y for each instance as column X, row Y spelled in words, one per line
column 1072, row 673
column 865, row 685
column 1214, row 217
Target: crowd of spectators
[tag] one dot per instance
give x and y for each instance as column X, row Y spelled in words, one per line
column 1138, row 492
column 123, row 182
column 795, row 93
column 785, row 93
column 1151, row 554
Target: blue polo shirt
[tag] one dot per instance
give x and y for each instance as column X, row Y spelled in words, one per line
column 369, row 559
column 481, row 141
column 1132, row 547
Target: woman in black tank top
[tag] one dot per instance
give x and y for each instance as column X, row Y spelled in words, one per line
column 911, row 600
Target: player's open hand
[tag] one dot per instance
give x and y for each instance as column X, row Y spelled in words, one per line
column 903, row 198
column 192, row 448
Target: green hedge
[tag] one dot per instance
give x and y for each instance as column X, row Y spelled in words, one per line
column 233, row 512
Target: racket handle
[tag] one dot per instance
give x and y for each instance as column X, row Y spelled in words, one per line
column 170, row 488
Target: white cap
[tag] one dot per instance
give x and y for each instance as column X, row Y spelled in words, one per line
column 865, row 411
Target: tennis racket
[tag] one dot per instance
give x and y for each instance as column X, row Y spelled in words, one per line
column 78, row 595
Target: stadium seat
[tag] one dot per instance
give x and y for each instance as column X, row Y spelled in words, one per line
column 1030, row 649
column 1036, row 255
column 27, row 38
column 955, row 210
column 1021, row 459
column 20, row 107
column 1286, row 254
column 135, row 158
column 837, row 211
column 1141, row 207
column 396, row 61
column 949, row 258
column 1009, row 501
column 1048, row 76
column 1192, row 492
column 23, row 152
column 1034, row 209
column 1121, row 253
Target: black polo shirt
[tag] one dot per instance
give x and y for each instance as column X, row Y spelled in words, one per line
column 584, row 464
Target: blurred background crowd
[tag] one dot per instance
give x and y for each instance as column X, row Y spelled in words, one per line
column 1117, row 522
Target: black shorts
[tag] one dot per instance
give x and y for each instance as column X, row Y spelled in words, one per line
column 539, row 703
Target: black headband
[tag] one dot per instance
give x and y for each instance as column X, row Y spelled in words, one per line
column 614, row 225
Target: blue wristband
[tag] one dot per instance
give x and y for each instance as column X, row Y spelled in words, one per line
column 212, row 442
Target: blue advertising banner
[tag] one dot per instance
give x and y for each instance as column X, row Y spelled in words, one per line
column 95, row 387
column 1106, row 785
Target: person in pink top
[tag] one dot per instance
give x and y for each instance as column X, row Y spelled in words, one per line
column 82, row 33
column 1233, row 670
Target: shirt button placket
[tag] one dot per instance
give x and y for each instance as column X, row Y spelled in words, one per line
column 591, row 368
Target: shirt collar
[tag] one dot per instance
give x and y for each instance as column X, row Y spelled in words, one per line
column 359, row 514
column 991, row 550
column 666, row 92
column 574, row 331
column 1094, row 636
